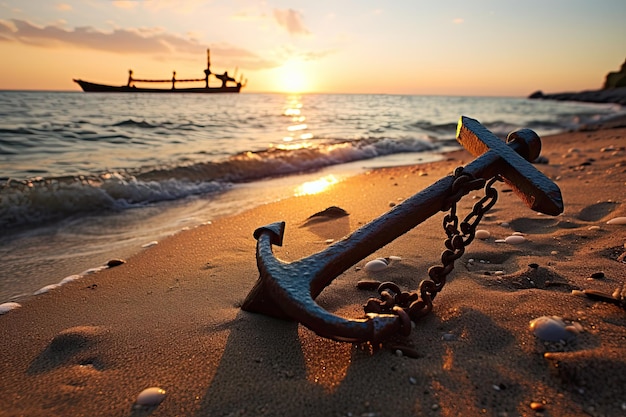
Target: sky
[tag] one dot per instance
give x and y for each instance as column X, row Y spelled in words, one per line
column 428, row 47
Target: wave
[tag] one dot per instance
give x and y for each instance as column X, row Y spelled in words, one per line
column 39, row 200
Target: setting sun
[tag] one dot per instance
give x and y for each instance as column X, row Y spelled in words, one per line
column 293, row 78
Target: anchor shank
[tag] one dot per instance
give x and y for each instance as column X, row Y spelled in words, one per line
column 381, row 231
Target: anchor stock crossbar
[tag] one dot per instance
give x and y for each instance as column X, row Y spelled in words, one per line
column 288, row 290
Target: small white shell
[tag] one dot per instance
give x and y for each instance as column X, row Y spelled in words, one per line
column 617, row 220
column 376, row 265
column 551, row 329
column 482, row 234
column 6, row 307
column 515, row 240
column 150, row 397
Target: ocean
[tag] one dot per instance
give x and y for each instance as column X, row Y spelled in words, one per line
column 85, row 178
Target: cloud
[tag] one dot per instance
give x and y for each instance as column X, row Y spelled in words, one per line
column 291, row 20
column 145, row 41
column 64, row 7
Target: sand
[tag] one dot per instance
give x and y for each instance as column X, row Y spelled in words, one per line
column 170, row 318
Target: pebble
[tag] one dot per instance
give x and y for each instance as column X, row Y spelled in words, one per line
column 537, row 406
column 617, row 220
column 515, row 240
column 368, row 284
column 551, row 329
column 6, row 307
column 593, row 228
column 482, row 234
column 149, row 244
column 150, row 397
column 401, row 350
column 376, row 265
column 505, row 224
column 115, row 262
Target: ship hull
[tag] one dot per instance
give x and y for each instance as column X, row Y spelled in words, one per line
column 89, row 87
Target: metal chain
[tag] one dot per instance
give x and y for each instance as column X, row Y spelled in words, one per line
column 411, row 306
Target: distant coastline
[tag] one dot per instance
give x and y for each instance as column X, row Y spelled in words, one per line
column 612, row 91
column 613, row 95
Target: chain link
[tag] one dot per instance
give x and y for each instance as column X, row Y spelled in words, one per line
column 417, row 304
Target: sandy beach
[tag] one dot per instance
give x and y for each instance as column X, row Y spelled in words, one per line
column 169, row 317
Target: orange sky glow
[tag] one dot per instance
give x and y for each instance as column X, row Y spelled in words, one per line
column 406, row 47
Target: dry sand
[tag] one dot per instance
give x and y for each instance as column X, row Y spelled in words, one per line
column 170, row 316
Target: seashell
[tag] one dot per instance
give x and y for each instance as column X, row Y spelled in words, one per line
column 376, row 265
column 482, row 234
column 617, row 220
column 150, row 397
column 515, row 240
column 551, row 329
column 6, row 307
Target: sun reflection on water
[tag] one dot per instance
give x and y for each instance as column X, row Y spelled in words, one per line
column 297, row 127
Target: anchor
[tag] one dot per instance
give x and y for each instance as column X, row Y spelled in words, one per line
column 288, row 290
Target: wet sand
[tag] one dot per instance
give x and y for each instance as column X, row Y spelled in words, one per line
column 170, row 318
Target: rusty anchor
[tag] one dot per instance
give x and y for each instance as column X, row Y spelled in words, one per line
column 288, row 290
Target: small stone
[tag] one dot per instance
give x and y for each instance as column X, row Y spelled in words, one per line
column 537, row 406
column 505, row 224
column 115, row 262
column 434, row 407
column 150, row 397
column 150, row 244
column 617, row 220
column 515, row 239
column 448, row 337
column 482, row 234
column 413, row 380
column 551, row 329
column 376, row 265
column 368, row 284
column 593, row 228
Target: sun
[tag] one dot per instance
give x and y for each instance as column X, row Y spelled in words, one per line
column 292, row 77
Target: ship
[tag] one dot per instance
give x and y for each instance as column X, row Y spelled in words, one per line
column 228, row 84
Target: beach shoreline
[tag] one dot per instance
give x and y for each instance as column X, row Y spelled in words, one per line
column 170, row 318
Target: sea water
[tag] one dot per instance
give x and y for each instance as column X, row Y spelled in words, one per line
column 89, row 177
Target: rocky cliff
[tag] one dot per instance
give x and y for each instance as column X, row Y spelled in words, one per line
column 613, row 91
